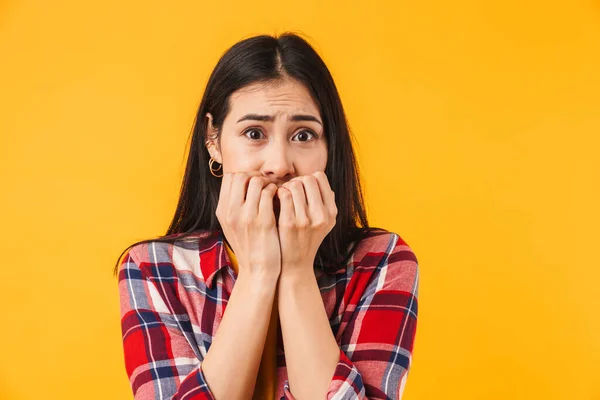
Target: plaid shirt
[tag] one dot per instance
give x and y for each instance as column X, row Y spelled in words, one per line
column 173, row 296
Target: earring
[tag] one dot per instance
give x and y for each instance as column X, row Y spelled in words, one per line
column 212, row 171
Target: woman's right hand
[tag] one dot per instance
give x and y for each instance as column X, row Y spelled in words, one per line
column 245, row 212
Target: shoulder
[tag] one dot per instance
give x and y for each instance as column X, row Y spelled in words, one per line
column 388, row 259
column 381, row 244
column 171, row 249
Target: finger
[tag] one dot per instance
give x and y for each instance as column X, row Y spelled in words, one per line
column 313, row 193
column 255, row 187
column 296, row 188
column 265, row 207
column 226, row 184
column 287, row 214
column 327, row 195
column 224, row 193
column 239, row 186
column 238, row 189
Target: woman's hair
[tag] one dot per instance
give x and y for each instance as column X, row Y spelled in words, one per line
column 268, row 59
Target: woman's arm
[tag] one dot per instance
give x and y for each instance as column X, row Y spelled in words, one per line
column 311, row 352
column 231, row 365
column 377, row 331
column 159, row 359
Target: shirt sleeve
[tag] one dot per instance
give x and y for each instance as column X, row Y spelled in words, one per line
column 377, row 343
column 159, row 360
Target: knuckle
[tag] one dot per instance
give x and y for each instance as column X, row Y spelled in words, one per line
column 239, row 177
column 256, row 180
column 320, row 222
column 268, row 192
column 245, row 220
column 231, row 218
column 302, row 223
column 263, row 223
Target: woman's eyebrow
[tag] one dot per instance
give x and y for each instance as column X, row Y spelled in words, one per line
column 297, row 117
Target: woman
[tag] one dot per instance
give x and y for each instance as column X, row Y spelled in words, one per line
column 270, row 227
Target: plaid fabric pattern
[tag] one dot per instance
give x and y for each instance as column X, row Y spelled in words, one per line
column 174, row 295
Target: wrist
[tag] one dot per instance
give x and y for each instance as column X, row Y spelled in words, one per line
column 263, row 278
column 297, row 275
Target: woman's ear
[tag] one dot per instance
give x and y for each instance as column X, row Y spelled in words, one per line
column 210, row 129
column 211, row 139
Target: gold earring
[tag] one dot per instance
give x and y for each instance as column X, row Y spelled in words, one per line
column 212, row 171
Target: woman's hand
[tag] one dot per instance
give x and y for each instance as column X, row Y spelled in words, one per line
column 245, row 212
column 308, row 213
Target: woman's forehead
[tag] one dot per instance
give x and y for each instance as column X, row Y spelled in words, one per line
column 288, row 97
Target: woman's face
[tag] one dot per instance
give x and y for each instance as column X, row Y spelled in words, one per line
column 274, row 129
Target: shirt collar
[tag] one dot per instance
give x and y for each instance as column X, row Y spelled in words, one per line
column 213, row 256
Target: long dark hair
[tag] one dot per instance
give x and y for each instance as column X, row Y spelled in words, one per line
column 266, row 58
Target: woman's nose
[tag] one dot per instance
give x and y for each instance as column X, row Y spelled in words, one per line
column 278, row 163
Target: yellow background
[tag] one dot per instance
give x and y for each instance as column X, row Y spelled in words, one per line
column 477, row 129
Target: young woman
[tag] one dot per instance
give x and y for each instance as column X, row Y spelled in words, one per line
column 269, row 283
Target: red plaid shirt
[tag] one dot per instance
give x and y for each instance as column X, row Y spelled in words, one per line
column 173, row 296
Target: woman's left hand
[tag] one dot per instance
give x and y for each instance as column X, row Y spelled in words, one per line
column 308, row 213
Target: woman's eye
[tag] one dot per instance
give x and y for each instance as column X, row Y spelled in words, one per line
column 303, row 136
column 305, row 133
column 255, row 133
